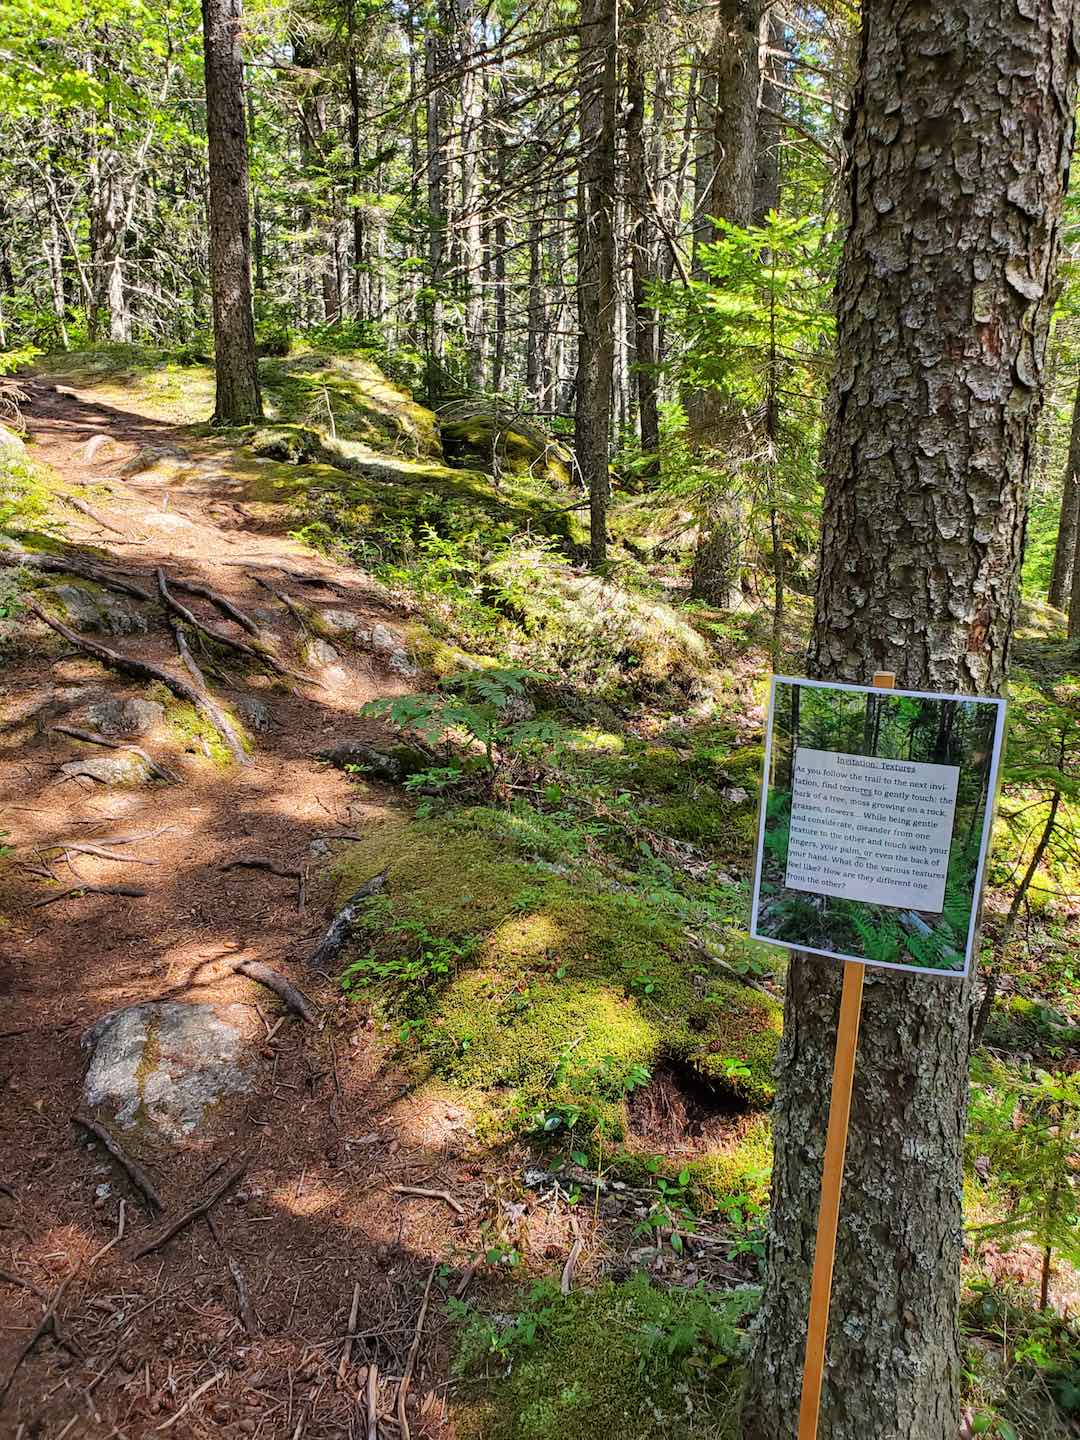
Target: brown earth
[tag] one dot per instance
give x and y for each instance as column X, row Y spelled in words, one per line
column 157, row 1343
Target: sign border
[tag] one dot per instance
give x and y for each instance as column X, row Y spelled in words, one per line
column 993, row 783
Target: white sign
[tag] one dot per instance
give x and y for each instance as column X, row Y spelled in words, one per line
column 868, row 829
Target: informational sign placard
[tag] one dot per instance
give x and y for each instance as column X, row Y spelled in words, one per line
column 876, row 812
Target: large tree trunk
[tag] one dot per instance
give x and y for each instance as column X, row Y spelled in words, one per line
column 472, row 241
column 715, row 574
column 596, row 259
column 640, row 201
column 237, row 393
column 1069, row 527
column 943, row 304
column 770, row 107
column 436, row 203
column 1074, row 601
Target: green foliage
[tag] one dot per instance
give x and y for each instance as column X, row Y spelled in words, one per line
column 1029, row 1132
column 477, row 706
column 622, row 1359
column 1022, row 1366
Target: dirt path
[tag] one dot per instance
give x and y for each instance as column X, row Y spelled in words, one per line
column 158, row 1343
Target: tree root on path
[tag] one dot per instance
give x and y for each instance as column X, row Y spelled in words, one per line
column 92, row 737
column 135, row 1172
column 295, row 999
column 143, row 670
column 174, row 1228
column 80, row 890
column 258, row 654
column 67, row 565
column 324, row 954
column 260, row 862
column 223, row 603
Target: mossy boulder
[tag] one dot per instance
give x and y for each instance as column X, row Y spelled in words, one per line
column 626, row 1359
column 509, row 446
column 293, row 443
column 347, row 398
column 544, row 995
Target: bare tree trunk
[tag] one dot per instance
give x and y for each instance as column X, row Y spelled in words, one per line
column 943, row 307
column 596, row 259
column 237, row 381
column 498, row 354
column 767, row 148
column 534, row 342
column 472, row 240
column 1069, row 526
column 640, row 200
column 361, row 277
column 436, row 203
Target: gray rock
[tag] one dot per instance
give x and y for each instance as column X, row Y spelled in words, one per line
column 164, row 1064
column 97, row 444
column 125, row 717
column 253, row 712
column 153, row 457
column 399, row 662
column 91, row 609
column 376, row 763
column 340, row 622
column 383, row 639
column 318, row 653
column 10, row 443
column 123, row 768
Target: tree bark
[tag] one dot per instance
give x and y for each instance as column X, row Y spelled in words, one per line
column 596, row 259
column 472, row 246
column 435, row 167
column 639, row 202
column 943, row 303
column 767, row 145
column 237, row 382
column 1069, row 526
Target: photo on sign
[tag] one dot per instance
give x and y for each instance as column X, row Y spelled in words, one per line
column 875, row 818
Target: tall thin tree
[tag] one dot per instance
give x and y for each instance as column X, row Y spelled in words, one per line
column 237, row 382
column 943, row 308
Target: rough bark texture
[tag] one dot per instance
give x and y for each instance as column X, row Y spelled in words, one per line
column 961, row 133
column 596, row 261
column 1074, row 602
column 1069, row 528
column 640, row 203
column 237, row 396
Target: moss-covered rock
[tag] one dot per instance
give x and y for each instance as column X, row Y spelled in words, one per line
column 510, row 446
column 547, row 997
column 1021, row 1025
column 623, row 1360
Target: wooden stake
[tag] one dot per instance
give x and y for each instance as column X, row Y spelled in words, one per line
column 832, row 1178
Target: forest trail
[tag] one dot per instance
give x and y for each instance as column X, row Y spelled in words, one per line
column 314, row 1230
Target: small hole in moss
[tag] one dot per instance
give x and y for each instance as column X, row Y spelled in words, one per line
column 681, row 1110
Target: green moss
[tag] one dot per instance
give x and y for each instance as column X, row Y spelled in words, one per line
column 622, row 1360
column 480, row 440
column 561, row 996
column 193, row 731
column 1021, row 1025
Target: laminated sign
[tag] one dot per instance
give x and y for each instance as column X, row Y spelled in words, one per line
column 876, row 811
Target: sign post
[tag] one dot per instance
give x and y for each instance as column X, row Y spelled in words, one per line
column 878, row 803
column 832, row 1178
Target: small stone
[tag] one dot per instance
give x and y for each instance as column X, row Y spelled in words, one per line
column 318, row 653
column 91, row 609
column 125, row 717
column 340, row 622
column 253, row 712
column 319, row 848
column 120, row 769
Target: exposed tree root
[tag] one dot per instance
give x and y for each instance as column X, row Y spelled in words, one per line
column 222, row 1188
column 295, row 999
column 261, row 655
column 143, row 670
column 135, row 1172
column 93, row 738
column 68, row 565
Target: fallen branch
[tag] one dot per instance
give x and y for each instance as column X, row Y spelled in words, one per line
column 80, row 847
column 92, row 737
column 44, row 1325
column 261, row 654
column 9, row 1278
column 410, row 1363
column 223, row 1188
column 290, row 996
column 567, row 1281
column 67, row 565
column 135, row 1172
column 191, row 1400
column 131, row 891
column 420, row 1194
column 336, row 936
column 302, row 576
column 143, row 670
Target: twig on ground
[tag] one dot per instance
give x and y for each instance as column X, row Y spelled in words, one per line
column 135, row 1172
column 191, row 1400
column 81, row 847
column 295, row 999
column 324, row 954
column 93, row 514
column 567, row 1281
column 44, row 1325
column 129, row 665
column 93, row 738
column 243, row 1296
column 346, row 1353
column 174, row 1228
column 372, row 1394
column 132, row 891
column 421, row 1194
column 410, row 1363
column 8, row 1278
